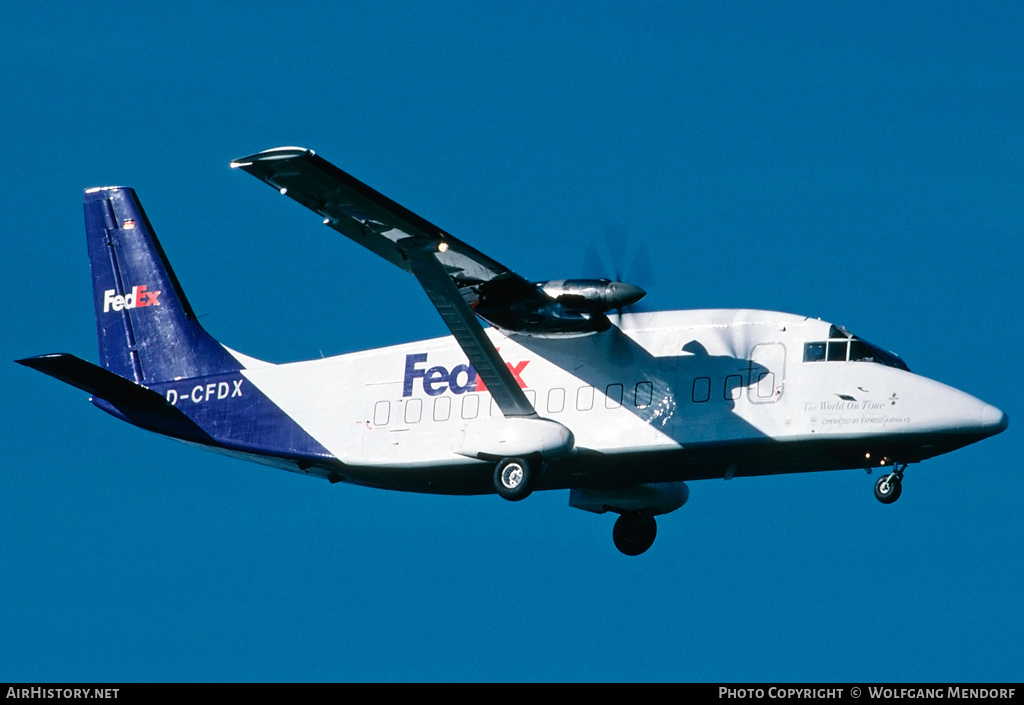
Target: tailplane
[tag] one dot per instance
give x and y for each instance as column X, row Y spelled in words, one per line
column 146, row 328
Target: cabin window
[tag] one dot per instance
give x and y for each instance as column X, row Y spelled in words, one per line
column 766, row 385
column 442, row 408
column 470, row 406
column 643, row 394
column 556, row 400
column 585, row 399
column 733, row 387
column 381, row 413
column 701, row 389
column 613, row 396
column 413, row 410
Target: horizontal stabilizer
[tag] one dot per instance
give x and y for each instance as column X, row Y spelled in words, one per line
column 95, row 380
column 137, row 404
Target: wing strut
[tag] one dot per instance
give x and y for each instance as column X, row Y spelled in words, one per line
column 468, row 332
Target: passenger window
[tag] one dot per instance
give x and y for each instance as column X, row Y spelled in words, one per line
column 814, row 352
column 644, row 393
column 381, row 413
column 531, row 396
column 556, row 400
column 585, row 399
column 766, row 385
column 613, row 396
column 733, row 387
column 442, row 408
column 470, row 406
column 413, row 410
column 701, row 389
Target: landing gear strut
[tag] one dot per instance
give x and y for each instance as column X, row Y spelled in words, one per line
column 514, row 478
column 889, row 487
column 634, row 532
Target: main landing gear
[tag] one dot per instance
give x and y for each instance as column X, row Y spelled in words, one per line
column 634, row 532
column 889, row 487
column 514, row 478
column 637, row 506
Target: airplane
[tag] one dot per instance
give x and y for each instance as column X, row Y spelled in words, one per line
column 563, row 390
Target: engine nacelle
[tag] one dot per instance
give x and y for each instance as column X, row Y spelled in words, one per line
column 595, row 295
column 560, row 307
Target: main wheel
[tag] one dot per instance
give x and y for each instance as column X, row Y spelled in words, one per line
column 514, row 479
column 634, row 533
column 888, row 489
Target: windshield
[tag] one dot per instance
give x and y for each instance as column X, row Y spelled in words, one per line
column 844, row 347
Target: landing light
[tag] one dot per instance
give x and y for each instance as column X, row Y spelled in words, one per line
column 442, row 246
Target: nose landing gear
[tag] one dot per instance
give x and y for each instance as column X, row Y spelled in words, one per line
column 889, row 487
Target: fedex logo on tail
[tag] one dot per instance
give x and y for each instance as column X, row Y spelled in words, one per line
column 137, row 299
column 460, row 379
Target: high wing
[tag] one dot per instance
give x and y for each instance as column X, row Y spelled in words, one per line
column 449, row 270
column 369, row 217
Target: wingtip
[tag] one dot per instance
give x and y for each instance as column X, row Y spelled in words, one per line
column 277, row 153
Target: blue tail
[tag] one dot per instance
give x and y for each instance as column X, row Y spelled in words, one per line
column 146, row 329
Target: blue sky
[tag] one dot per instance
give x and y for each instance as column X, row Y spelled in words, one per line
column 858, row 162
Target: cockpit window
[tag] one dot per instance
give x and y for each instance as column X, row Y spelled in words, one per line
column 814, row 352
column 861, row 352
column 842, row 347
column 837, row 332
column 837, row 350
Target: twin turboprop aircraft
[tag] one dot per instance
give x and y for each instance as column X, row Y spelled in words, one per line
column 622, row 411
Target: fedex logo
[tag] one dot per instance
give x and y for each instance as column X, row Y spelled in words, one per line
column 137, row 299
column 460, row 379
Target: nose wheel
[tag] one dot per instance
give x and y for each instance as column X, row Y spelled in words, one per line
column 889, row 487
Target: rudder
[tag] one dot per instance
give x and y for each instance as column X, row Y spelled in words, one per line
column 146, row 329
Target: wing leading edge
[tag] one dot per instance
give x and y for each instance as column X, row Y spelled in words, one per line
column 445, row 267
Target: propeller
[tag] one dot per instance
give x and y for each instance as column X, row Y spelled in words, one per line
column 623, row 263
column 637, row 267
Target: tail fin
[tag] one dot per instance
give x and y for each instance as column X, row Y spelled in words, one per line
column 146, row 329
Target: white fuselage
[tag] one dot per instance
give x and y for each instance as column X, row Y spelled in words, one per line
column 701, row 393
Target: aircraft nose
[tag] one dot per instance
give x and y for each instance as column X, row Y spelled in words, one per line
column 993, row 420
